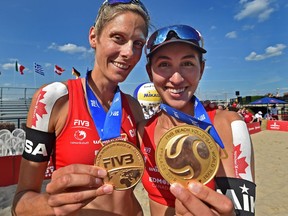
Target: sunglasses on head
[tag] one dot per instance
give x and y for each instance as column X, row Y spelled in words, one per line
column 180, row 32
column 136, row 2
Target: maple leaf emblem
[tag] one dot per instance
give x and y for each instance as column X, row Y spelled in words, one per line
column 39, row 110
column 240, row 163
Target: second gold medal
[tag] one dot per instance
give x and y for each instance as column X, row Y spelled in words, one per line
column 186, row 153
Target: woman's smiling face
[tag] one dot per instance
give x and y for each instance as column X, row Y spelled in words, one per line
column 176, row 70
column 119, row 47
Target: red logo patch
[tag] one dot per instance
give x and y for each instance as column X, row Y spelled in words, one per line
column 240, row 163
column 39, row 108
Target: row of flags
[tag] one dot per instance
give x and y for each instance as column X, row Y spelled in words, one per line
column 19, row 68
column 39, row 69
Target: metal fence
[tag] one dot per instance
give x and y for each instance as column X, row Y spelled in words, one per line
column 14, row 106
column 16, row 93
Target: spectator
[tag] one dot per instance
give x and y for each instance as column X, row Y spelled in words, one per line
column 221, row 107
column 150, row 111
column 146, row 115
column 240, row 113
column 268, row 115
column 248, row 116
column 274, row 112
column 258, row 117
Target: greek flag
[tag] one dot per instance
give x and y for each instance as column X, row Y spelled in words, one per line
column 38, row 69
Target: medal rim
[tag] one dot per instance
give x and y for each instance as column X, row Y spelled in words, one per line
column 182, row 181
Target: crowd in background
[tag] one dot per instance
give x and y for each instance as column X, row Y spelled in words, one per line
column 246, row 114
column 249, row 115
column 150, row 110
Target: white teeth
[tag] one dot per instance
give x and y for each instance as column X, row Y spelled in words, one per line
column 122, row 66
column 176, row 91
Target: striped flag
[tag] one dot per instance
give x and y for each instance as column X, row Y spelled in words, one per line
column 58, row 70
column 38, row 69
column 19, row 68
column 75, row 73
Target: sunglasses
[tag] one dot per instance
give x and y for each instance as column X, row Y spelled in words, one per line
column 136, row 2
column 182, row 33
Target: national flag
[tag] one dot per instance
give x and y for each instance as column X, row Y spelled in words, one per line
column 58, row 70
column 19, row 68
column 75, row 73
column 38, row 69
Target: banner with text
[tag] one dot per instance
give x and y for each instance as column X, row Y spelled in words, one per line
column 277, row 125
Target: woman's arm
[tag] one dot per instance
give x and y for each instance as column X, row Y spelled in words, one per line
column 198, row 199
column 71, row 187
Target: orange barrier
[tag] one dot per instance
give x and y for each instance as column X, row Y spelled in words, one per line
column 283, row 117
column 254, row 127
column 277, row 125
column 9, row 169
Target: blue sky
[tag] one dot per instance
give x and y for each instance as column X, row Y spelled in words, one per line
column 246, row 40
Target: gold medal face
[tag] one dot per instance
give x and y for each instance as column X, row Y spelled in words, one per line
column 123, row 162
column 187, row 153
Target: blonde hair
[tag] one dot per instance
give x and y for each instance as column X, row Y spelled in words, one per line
column 109, row 12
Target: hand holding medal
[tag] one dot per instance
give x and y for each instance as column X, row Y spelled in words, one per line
column 122, row 160
column 186, row 156
column 189, row 152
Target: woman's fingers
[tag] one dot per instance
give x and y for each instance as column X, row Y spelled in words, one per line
column 69, row 181
column 191, row 205
column 72, row 187
column 219, row 202
column 79, row 169
column 75, row 176
column 82, row 197
column 201, row 200
column 73, row 199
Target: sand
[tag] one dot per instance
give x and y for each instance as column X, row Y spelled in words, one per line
column 271, row 159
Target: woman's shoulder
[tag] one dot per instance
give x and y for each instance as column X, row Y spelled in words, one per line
column 51, row 92
column 49, row 97
column 55, row 87
column 226, row 117
column 130, row 99
column 135, row 107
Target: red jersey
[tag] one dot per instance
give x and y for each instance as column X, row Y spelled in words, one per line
column 79, row 141
column 155, row 185
column 248, row 117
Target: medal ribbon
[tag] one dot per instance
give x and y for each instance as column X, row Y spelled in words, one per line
column 108, row 124
column 200, row 119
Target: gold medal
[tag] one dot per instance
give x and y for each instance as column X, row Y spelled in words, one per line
column 123, row 162
column 187, row 153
